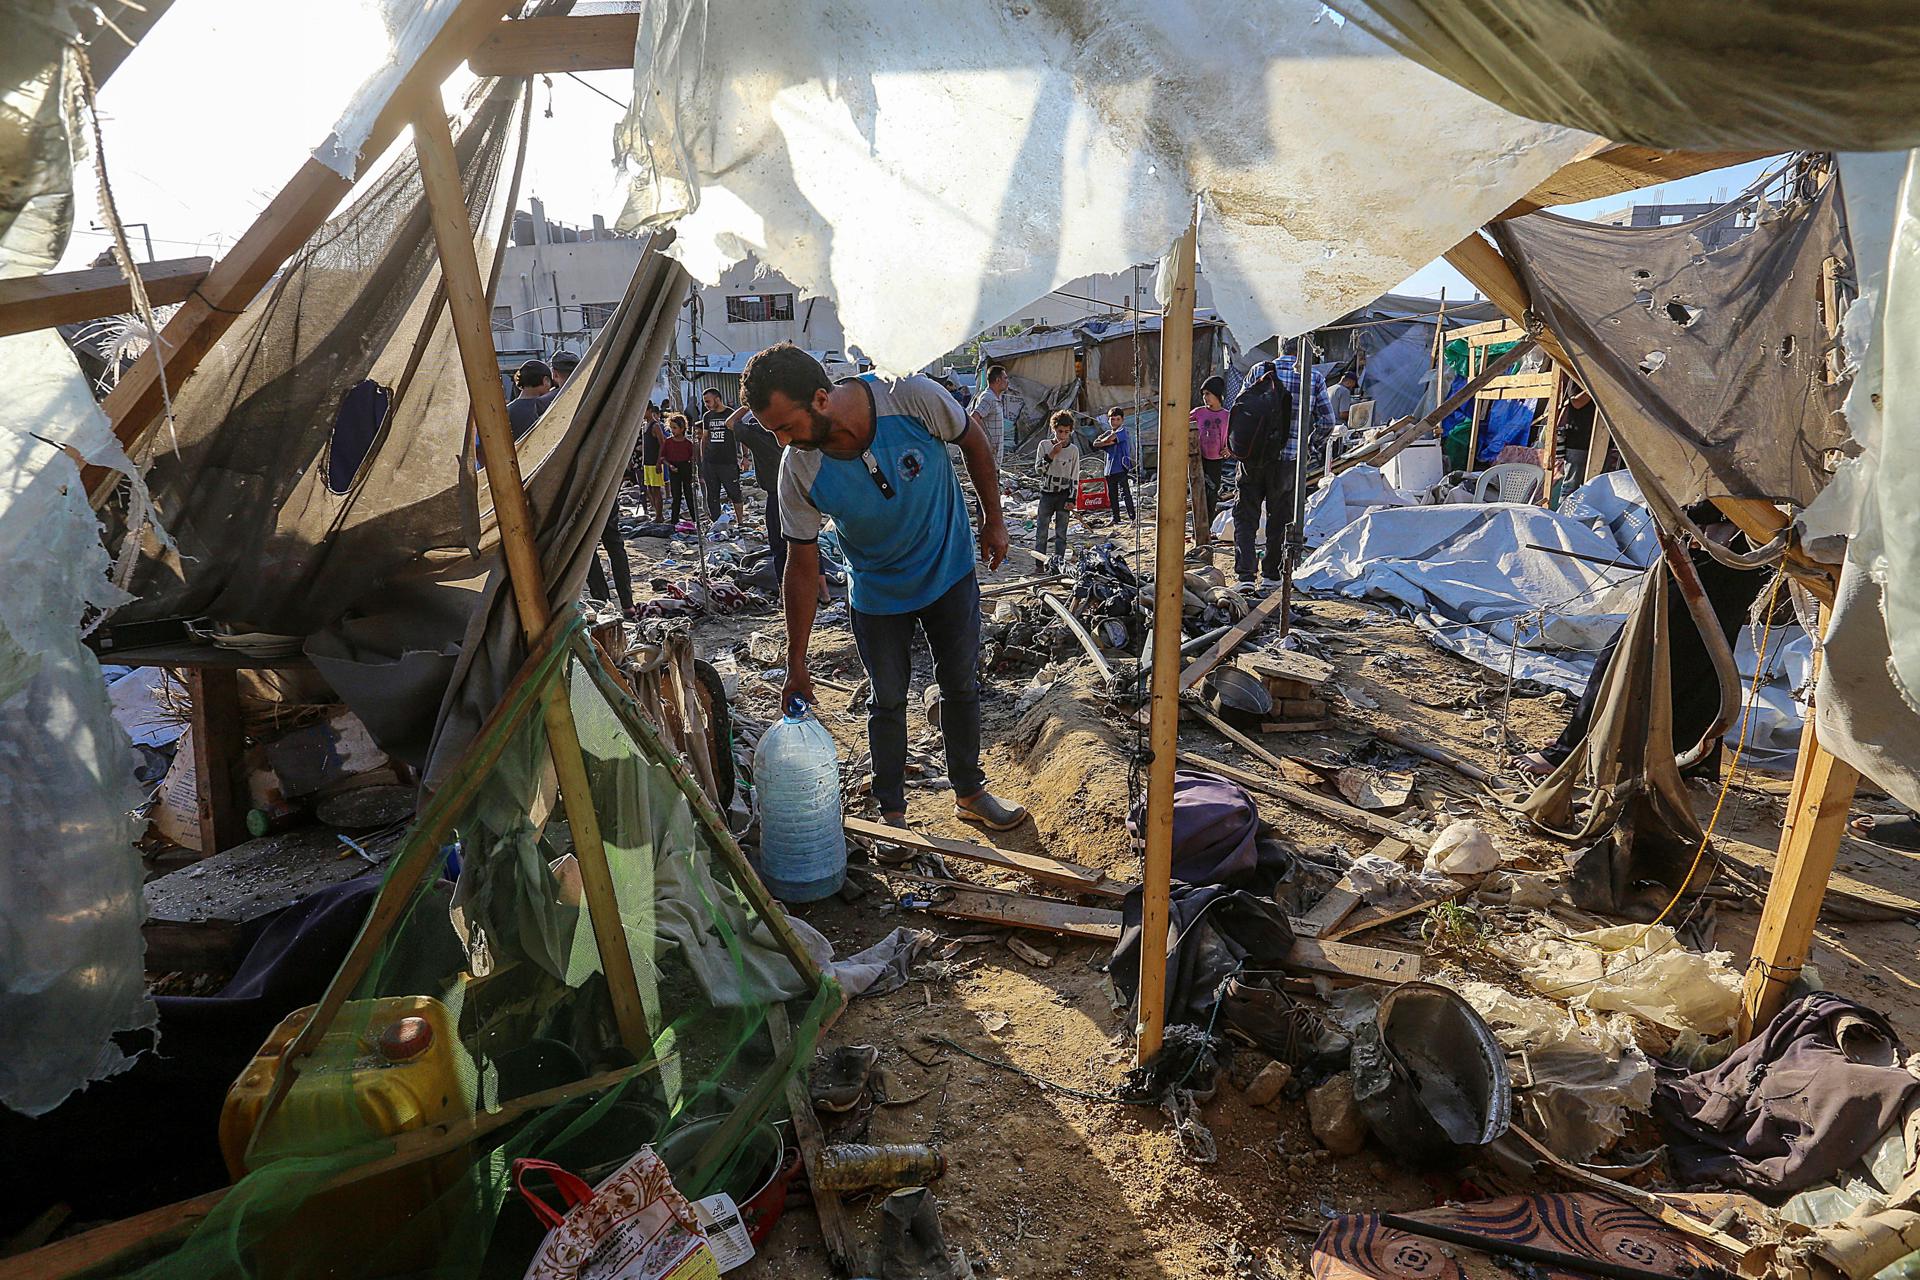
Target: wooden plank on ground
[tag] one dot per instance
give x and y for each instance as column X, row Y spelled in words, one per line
column 835, row 1229
column 71, row 297
column 1334, row 906
column 1345, row 960
column 1022, row 911
column 1197, row 670
column 1292, row 792
column 1290, row 664
column 1051, row 871
column 1339, row 902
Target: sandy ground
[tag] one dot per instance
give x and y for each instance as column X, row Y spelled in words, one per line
column 1041, row 1184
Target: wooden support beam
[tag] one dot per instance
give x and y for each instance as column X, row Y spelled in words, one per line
column 836, row 1230
column 1610, row 168
column 299, row 210
column 218, row 740
column 552, row 46
column 70, row 297
column 1050, row 871
column 1817, row 809
column 1197, row 669
column 467, row 304
column 1477, row 260
column 1169, row 589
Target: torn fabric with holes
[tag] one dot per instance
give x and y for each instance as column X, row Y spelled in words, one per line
column 937, row 166
column 1712, row 367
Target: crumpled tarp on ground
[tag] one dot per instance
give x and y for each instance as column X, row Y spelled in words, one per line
column 1705, row 75
column 1708, row 366
column 1466, row 573
column 1006, row 149
column 1345, row 498
column 1636, row 969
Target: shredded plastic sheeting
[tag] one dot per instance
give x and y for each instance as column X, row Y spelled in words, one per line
column 935, row 166
column 1771, row 75
column 1581, row 1079
column 1470, row 579
column 1630, row 968
column 398, row 29
column 71, row 967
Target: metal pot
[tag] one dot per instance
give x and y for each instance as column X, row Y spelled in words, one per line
column 761, row 1171
column 1240, row 699
column 1430, row 1076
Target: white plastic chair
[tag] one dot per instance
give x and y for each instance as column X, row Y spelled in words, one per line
column 1511, row 482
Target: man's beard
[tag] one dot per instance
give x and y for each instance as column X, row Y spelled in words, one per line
column 820, row 426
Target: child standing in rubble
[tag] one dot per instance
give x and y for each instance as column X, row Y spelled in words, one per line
column 1117, row 444
column 1058, row 459
column 676, row 452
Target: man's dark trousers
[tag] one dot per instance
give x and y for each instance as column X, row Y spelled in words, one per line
column 885, row 640
column 1270, row 486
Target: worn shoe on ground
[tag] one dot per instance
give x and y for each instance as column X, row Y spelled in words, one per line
column 1276, row 1022
column 989, row 811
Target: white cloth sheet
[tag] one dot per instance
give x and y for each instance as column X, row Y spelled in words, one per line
column 935, row 165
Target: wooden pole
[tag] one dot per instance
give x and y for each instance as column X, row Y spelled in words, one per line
column 1817, row 811
column 1550, row 438
column 467, row 302
column 1169, row 587
column 1439, row 361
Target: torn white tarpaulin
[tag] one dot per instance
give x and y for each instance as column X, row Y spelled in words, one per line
column 1340, row 501
column 1476, row 579
column 935, row 165
column 1865, row 696
column 397, row 32
column 72, row 970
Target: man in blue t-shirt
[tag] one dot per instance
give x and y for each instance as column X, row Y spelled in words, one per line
column 871, row 453
column 1118, row 444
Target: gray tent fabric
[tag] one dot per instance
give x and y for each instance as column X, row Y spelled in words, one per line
column 1708, row 365
column 1624, row 771
column 1862, row 716
column 1774, row 75
column 573, row 462
column 396, row 583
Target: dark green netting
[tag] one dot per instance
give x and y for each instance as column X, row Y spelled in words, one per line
column 376, row 1169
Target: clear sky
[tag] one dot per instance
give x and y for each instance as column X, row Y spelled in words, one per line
column 197, row 159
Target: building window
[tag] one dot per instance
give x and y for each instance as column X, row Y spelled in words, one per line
column 597, row 315
column 750, row 308
column 503, row 317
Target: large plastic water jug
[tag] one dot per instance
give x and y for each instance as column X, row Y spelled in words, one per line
column 796, row 775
